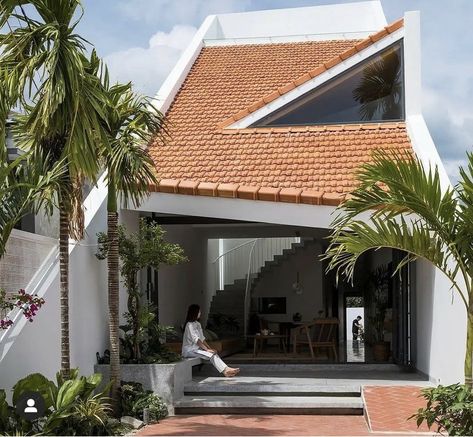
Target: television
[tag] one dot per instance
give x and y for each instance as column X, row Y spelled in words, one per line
column 272, row 305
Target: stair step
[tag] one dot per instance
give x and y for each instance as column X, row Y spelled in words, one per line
column 269, row 387
column 322, row 405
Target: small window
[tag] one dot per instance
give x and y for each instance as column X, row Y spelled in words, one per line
column 372, row 91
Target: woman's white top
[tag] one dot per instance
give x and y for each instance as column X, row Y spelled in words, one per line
column 192, row 334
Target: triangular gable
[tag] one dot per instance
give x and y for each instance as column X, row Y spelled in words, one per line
column 256, row 114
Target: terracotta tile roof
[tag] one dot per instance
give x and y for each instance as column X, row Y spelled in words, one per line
column 314, row 72
column 312, row 165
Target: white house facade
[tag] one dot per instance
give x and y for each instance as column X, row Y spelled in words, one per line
column 268, row 120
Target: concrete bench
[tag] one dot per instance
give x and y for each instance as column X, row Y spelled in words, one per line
column 165, row 380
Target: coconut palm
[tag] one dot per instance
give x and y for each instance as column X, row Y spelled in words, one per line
column 131, row 121
column 45, row 71
column 26, row 185
column 409, row 210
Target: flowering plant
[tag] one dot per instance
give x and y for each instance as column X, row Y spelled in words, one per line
column 28, row 303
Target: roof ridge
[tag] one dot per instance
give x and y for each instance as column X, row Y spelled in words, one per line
column 273, row 95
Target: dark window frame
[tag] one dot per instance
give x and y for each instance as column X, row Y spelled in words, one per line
column 396, row 45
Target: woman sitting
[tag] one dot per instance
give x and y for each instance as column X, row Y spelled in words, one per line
column 194, row 344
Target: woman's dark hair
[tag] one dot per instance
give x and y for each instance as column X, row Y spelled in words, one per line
column 192, row 313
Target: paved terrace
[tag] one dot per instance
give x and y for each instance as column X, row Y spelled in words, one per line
column 390, row 396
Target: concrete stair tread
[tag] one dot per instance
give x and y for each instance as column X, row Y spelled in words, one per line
column 269, row 385
column 293, row 402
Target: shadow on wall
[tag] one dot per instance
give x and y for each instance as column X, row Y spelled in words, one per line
column 424, row 314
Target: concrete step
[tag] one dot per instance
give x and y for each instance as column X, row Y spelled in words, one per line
column 247, row 385
column 322, row 405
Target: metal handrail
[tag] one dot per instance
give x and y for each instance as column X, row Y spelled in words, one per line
column 247, row 289
column 233, row 249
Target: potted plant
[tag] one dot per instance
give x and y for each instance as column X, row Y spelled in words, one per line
column 378, row 298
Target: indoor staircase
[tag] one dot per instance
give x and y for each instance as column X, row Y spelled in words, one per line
column 227, row 308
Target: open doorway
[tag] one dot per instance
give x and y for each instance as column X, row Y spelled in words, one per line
column 354, row 328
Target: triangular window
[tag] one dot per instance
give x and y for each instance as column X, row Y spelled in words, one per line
column 371, row 91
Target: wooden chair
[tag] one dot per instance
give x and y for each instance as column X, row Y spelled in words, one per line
column 319, row 334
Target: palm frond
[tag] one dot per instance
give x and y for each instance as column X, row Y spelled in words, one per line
column 132, row 122
column 27, row 185
column 406, row 209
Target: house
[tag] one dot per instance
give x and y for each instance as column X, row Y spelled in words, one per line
column 270, row 114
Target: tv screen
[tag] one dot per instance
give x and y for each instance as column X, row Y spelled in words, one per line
column 272, row 305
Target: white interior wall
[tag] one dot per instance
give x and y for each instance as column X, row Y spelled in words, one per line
column 182, row 285
column 440, row 326
column 278, row 283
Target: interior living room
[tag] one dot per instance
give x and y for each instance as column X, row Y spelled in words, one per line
column 266, row 295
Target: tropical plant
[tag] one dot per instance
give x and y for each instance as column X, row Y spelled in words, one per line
column 134, row 400
column 45, row 71
column 130, row 123
column 376, row 300
column 29, row 304
column 72, row 406
column 410, row 210
column 449, row 409
column 26, row 185
column 149, row 334
column 144, row 248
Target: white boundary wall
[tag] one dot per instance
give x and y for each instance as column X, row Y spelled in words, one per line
column 35, row 347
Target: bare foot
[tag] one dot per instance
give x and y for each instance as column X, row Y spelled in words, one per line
column 228, row 373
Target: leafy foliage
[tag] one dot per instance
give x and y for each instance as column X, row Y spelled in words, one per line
column 377, row 300
column 145, row 248
column 399, row 204
column 135, row 399
column 132, row 121
column 149, row 335
column 72, row 407
column 449, row 409
column 26, row 185
column 29, row 304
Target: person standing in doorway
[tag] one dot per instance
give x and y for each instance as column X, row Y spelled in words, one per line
column 194, row 344
column 356, row 328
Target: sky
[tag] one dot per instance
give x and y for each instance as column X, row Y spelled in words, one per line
column 141, row 40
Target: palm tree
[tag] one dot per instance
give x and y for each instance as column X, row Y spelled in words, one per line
column 26, row 185
column 410, row 210
column 45, row 70
column 131, row 122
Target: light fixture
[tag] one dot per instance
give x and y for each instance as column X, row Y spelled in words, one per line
column 297, row 286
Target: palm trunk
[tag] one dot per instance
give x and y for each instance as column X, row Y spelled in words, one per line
column 113, row 297
column 64, row 289
column 469, row 347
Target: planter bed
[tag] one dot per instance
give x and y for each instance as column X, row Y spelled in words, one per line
column 165, row 380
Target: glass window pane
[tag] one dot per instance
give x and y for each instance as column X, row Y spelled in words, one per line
column 372, row 91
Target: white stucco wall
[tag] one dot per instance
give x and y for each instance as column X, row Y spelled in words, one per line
column 440, row 326
column 181, row 285
column 278, row 283
column 35, row 347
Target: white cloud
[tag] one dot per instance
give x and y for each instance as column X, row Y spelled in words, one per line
column 165, row 12
column 147, row 67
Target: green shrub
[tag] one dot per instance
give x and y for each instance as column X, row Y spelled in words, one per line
column 449, row 409
column 72, row 407
column 135, row 399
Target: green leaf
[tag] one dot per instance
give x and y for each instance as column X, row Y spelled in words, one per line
column 34, row 382
column 68, row 392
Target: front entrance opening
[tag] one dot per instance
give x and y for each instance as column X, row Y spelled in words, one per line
column 266, row 295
